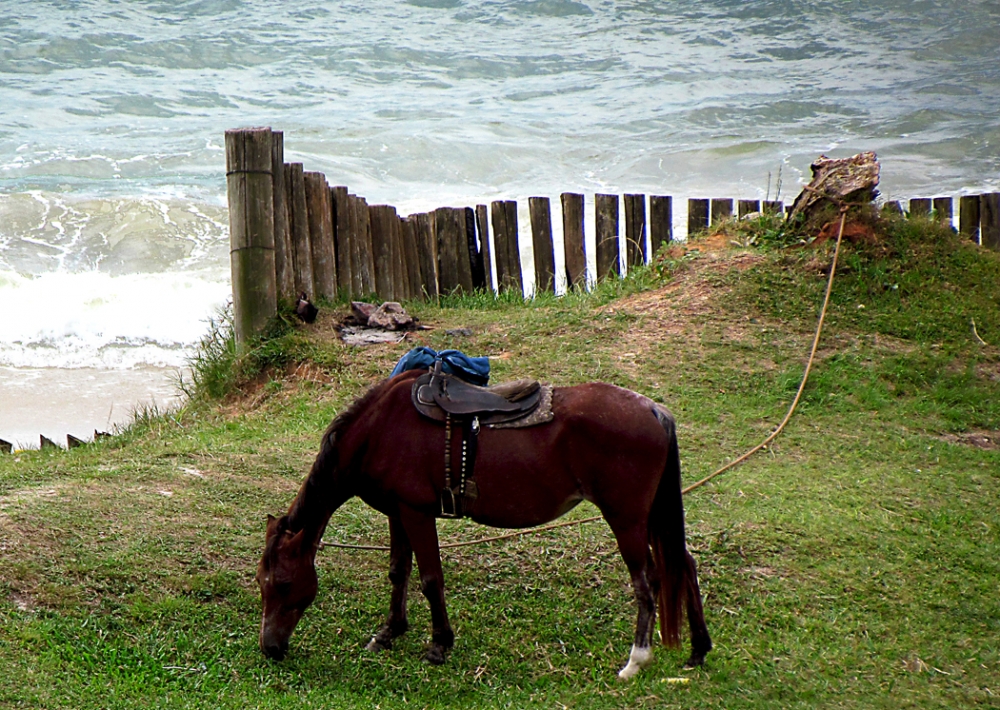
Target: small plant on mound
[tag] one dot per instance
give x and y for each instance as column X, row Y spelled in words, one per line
column 218, row 367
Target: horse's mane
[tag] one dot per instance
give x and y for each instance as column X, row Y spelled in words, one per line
column 347, row 417
column 316, row 486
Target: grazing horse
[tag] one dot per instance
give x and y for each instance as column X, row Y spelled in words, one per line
column 605, row 444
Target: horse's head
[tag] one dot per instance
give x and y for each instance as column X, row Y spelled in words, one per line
column 288, row 584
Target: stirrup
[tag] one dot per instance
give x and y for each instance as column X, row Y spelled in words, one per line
column 449, row 505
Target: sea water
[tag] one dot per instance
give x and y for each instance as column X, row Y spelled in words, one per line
column 113, row 221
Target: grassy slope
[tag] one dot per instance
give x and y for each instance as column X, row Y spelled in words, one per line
column 855, row 564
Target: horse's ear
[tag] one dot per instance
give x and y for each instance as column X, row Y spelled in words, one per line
column 295, row 544
column 270, row 520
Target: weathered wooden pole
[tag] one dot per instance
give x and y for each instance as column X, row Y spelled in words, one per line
column 920, row 206
column 541, row 244
column 508, row 251
column 400, row 278
column 943, row 209
column 606, row 223
column 661, row 221
column 343, row 241
column 989, row 220
column 284, row 259
column 360, row 215
column 427, row 254
column 722, row 208
column 574, row 244
column 968, row 216
column 635, row 230
column 382, row 218
column 745, row 207
column 454, row 264
column 320, row 216
column 411, row 257
column 476, row 267
column 250, row 188
column 697, row 215
column 298, row 223
column 483, row 227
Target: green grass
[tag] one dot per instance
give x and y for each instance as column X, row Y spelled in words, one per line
column 853, row 564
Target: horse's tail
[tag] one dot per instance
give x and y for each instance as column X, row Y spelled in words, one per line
column 675, row 568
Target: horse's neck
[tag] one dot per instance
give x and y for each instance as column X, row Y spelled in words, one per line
column 323, row 491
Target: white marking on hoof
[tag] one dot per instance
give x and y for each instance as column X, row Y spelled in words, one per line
column 637, row 660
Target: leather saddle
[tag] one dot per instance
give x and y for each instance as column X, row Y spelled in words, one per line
column 436, row 395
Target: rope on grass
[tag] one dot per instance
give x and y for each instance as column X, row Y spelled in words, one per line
column 697, row 484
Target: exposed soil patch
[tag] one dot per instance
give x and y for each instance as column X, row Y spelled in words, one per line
column 980, row 439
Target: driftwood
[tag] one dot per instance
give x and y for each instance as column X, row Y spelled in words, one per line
column 837, row 181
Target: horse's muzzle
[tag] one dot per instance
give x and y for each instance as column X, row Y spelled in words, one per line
column 274, row 650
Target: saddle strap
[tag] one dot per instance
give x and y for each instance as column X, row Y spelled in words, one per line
column 457, row 497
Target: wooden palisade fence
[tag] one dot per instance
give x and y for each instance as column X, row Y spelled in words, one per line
column 292, row 233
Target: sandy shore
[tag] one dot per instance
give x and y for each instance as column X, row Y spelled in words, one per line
column 57, row 402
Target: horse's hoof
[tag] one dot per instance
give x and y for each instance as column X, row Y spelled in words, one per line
column 435, row 656
column 694, row 662
column 637, row 660
column 377, row 644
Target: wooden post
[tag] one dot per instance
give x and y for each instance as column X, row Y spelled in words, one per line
column 773, row 207
column 411, row 257
column 298, row 222
column 475, row 254
column 320, row 216
column 382, row 218
column 427, row 254
column 360, row 215
column 400, row 277
column 574, row 245
column 454, row 266
column 943, row 209
column 284, row 259
column 483, row 226
column 606, row 222
column 745, row 207
column 635, row 230
column 250, row 187
column 721, row 209
column 541, row 243
column 343, row 241
column 697, row 216
column 661, row 221
column 893, row 207
column 968, row 216
column 505, row 239
column 920, row 206
column 989, row 220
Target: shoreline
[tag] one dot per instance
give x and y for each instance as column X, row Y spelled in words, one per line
column 55, row 402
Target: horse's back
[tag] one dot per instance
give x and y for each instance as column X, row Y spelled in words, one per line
column 604, row 444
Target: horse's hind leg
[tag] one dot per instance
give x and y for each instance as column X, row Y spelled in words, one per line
column 400, row 565
column 633, row 543
column 422, row 532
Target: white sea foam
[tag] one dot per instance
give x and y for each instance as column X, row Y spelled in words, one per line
column 93, row 319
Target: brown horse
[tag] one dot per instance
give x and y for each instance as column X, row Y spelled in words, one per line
column 608, row 445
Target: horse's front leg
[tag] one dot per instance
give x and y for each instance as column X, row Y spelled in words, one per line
column 400, row 565
column 422, row 532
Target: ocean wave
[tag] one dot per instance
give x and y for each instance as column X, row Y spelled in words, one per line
column 93, row 319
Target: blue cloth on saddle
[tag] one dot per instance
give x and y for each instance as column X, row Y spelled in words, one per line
column 475, row 370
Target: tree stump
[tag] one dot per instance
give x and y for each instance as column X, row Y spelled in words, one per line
column 838, row 180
